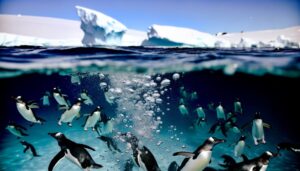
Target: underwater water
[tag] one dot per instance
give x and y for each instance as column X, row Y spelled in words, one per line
column 152, row 93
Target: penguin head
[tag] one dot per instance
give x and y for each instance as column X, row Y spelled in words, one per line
column 257, row 115
column 57, row 135
column 99, row 108
column 214, row 141
column 55, row 90
column 18, row 99
column 79, row 101
column 266, row 155
column 243, row 138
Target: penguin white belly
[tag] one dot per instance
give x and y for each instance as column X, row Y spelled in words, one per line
column 92, row 120
column 15, row 132
column 263, row 168
column 141, row 163
column 239, row 148
column 248, row 167
column 27, row 114
column 257, row 129
column 59, row 99
column 46, row 101
column 199, row 163
column 69, row 115
column 108, row 127
column 73, row 159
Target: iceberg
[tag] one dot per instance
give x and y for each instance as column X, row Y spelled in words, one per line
column 159, row 35
column 99, row 29
column 7, row 39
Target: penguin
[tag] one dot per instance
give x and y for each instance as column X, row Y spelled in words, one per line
column 92, row 119
column 142, row 156
column 111, row 144
column 87, row 99
column 240, row 146
column 183, row 110
column 105, row 125
column 60, row 98
column 259, row 163
column 288, row 146
column 237, row 106
column 258, row 129
column 220, row 112
column 219, row 125
column 16, row 130
column 75, row 79
column 173, row 166
column 200, row 158
column 76, row 153
column 71, row 113
column 45, row 99
column 25, row 109
column 29, row 146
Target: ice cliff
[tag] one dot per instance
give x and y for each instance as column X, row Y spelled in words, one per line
column 99, row 29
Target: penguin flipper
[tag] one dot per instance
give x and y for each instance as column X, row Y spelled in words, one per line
column 183, row 153
column 55, row 160
column 87, row 147
column 213, row 128
column 266, row 125
column 96, row 166
column 27, row 147
column 245, row 158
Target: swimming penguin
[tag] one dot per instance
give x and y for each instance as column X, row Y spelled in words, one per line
column 219, row 125
column 60, row 98
column 16, row 129
column 288, row 146
column 237, row 107
column 183, row 110
column 200, row 158
column 240, row 146
column 87, row 99
column 259, row 163
column 194, row 95
column 110, row 142
column 29, row 146
column 75, row 79
column 45, row 99
column 258, row 129
column 143, row 157
column 93, row 119
column 173, row 166
column 220, row 112
column 106, row 124
column 71, row 113
column 25, row 109
column 76, row 153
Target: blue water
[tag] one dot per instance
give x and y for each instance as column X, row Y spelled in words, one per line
column 265, row 81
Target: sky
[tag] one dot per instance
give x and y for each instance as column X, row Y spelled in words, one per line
column 205, row 15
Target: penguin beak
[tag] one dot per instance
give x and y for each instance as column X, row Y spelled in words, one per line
column 52, row 135
column 218, row 141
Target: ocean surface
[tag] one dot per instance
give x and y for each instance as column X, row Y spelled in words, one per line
column 152, row 93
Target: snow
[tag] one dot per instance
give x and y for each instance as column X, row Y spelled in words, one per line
column 99, row 28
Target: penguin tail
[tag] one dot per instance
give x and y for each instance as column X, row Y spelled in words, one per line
column 37, row 155
column 96, row 166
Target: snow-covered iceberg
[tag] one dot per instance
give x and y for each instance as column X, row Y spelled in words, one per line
column 100, row 29
column 159, row 35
